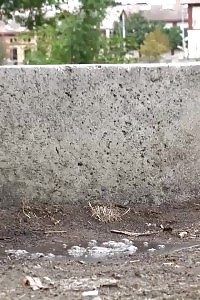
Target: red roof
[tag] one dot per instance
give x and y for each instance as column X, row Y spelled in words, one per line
column 158, row 13
column 161, row 13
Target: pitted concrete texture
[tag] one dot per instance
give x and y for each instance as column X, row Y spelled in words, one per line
column 113, row 133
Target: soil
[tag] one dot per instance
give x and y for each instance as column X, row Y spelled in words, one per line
column 171, row 275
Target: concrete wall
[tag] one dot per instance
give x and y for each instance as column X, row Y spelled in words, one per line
column 122, row 133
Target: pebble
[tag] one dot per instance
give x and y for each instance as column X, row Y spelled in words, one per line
column 90, row 293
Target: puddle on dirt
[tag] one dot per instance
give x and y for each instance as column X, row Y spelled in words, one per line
column 93, row 251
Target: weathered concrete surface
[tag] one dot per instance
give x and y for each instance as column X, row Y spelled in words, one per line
column 127, row 133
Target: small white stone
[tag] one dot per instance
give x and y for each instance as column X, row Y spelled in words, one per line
column 161, row 246
column 47, row 278
column 50, row 255
column 37, row 255
column 16, row 252
column 127, row 241
column 76, row 251
column 92, row 243
column 90, row 293
column 151, row 250
column 37, row 266
column 183, row 234
column 132, row 249
column 111, row 244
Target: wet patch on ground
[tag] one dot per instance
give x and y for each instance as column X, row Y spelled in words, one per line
column 94, row 251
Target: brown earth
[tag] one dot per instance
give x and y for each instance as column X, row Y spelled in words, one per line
column 174, row 275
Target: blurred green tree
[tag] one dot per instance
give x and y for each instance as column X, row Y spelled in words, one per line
column 137, row 28
column 76, row 38
column 155, row 44
column 2, row 51
column 35, row 10
column 175, row 37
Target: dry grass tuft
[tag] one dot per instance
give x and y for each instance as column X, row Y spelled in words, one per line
column 106, row 213
column 39, row 213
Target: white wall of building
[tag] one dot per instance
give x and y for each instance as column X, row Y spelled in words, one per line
column 194, row 43
column 196, row 17
column 183, row 25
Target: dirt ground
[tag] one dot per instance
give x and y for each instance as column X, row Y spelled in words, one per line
column 170, row 275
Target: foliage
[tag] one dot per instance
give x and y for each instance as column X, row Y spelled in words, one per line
column 34, row 9
column 112, row 50
column 155, row 44
column 2, row 51
column 72, row 38
column 45, row 40
column 175, row 36
column 62, row 45
column 137, row 28
column 76, row 38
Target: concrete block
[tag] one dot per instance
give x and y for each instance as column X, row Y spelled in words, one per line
column 123, row 133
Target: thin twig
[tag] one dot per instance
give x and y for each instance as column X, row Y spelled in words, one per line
column 25, row 213
column 23, row 210
column 22, row 296
column 55, row 231
column 136, row 234
column 127, row 211
column 134, row 261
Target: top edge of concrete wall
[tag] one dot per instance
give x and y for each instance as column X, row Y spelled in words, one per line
column 94, row 66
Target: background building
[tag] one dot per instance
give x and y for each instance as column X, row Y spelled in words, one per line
column 172, row 15
column 193, row 28
column 15, row 41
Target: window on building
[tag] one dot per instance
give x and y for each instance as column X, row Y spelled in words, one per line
column 13, row 55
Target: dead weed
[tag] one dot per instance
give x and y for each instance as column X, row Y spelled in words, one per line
column 106, row 213
column 39, row 213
